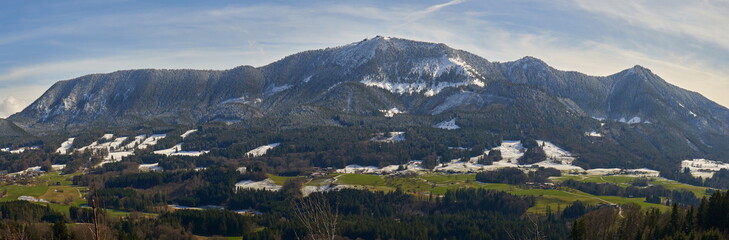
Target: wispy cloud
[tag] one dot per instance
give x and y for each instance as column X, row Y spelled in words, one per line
column 437, row 7
column 705, row 21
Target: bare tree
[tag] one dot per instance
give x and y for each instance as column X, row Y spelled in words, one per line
column 98, row 228
column 532, row 232
column 14, row 230
column 318, row 216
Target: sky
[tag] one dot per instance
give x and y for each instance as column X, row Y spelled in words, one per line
column 42, row 42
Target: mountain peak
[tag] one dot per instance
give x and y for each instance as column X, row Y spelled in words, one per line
column 530, row 59
column 640, row 68
column 636, row 71
column 529, row 62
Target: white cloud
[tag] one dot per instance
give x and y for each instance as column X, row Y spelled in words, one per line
column 10, row 105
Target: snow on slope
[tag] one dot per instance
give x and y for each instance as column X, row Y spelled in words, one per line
column 153, row 167
column 65, row 146
column 260, row 151
column 266, row 184
column 633, row 120
column 703, row 167
column 390, row 137
column 391, row 112
column 413, row 166
column 426, row 70
column 276, row 89
column 32, row 199
column 428, row 89
column 151, row 141
column 117, row 156
column 557, row 158
column 448, row 125
column 593, row 134
column 176, row 151
column 111, row 146
column 117, row 143
column 241, row 100
column 555, row 153
column 21, row 150
column 511, row 151
column 27, row 170
column 137, row 140
column 187, row 133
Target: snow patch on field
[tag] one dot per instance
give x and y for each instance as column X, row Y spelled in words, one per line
column 603, row 171
column 266, row 184
column 108, row 146
column 26, row 171
column 151, row 141
column 117, row 156
column 65, row 146
column 390, row 137
column 555, row 153
column 117, row 143
column 137, row 140
column 152, row 167
column 176, row 151
column 511, row 151
column 19, row 150
column 23, row 149
column 32, row 199
column 557, row 158
column 703, row 167
column 413, row 166
column 391, row 112
column 448, row 125
column 262, row 150
column 457, row 166
column 187, row 133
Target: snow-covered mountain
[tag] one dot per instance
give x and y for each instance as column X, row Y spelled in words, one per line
column 372, row 77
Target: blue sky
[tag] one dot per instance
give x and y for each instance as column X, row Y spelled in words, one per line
column 41, row 42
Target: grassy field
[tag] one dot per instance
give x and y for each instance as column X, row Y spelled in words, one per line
column 553, row 199
column 619, row 180
column 673, row 185
column 279, row 180
column 58, row 190
column 360, row 179
column 52, row 187
column 627, row 180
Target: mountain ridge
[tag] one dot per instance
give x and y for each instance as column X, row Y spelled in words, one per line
column 369, row 78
